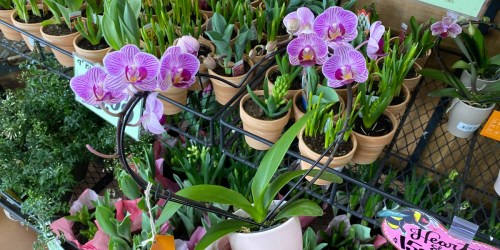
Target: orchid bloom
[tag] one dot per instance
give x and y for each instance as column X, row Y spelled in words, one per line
column 300, row 21
column 189, row 44
column 307, row 50
column 91, row 87
column 375, row 47
column 152, row 114
column 446, row 28
column 345, row 66
column 336, row 26
column 130, row 66
column 177, row 69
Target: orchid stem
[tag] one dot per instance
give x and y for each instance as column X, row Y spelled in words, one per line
column 138, row 123
column 361, row 45
column 93, row 151
column 107, row 111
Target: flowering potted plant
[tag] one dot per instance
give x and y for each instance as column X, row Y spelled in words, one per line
column 58, row 33
column 6, row 10
column 266, row 117
column 263, row 191
column 468, row 99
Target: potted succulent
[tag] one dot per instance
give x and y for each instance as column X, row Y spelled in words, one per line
column 265, row 114
column 263, row 191
column 29, row 19
column 6, row 10
column 230, row 65
column 62, row 34
column 90, row 43
column 470, row 106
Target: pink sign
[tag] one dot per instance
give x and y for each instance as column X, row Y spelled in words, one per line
column 411, row 229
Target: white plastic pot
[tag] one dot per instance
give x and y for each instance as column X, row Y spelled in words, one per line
column 465, row 119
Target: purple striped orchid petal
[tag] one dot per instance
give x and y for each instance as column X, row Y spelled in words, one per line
column 345, row 66
column 177, row 69
column 307, row 50
column 92, row 89
column 336, row 25
column 152, row 114
column 131, row 66
column 446, row 28
column 189, row 44
column 300, row 21
column 375, row 47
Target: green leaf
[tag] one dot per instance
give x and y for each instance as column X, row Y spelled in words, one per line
column 128, row 186
column 329, row 94
column 123, row 228
column 302, row 207
column 104, row 216
column 495, row 59
column 167, row 212
column 219, row 230
column 460, row 64
column 434, row 74
column 362, row 232
column 273, row 157
column 446, row 92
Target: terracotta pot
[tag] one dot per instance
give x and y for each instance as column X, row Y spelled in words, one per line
column 268, row 239
column 267, row 129
column 224, row 92
column 95, row 56
column 7, row 32
column 64, row 42
column 176, row 94
column 337, row 163
column 205, row 81
column 291, row 92
column 297, row 113
column 32, row 28
column 370, row 147
column 422, row 61
column 399, row 109
column 465, row 119
column 480, row 83
column 411, row 83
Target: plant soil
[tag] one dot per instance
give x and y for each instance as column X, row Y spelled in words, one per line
column 381, row 127
column 204, row 50
column 57, row 29
column 76, row 228
column 85, row 44
column 412, row 73
column 220, row 70
column 256, row 112
column 317, row 145
column 33, row 18
column 398, row 99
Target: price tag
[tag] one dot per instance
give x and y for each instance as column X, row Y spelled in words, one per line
column 81, row 65
column 467, row 127
column 239, row 68
column 163, row 242
column 492, row 127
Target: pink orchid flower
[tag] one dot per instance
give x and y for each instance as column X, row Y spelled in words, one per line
column 446, row 28
column 152, row 114
column 347, row 65
column 92, row 89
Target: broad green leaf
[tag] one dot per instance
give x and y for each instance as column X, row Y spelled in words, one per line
column 217, row 231
column 495, row 59
column 460, row 64
column 123, row 228
column 302, row 207
column 493, row 87
column 329, row 94
column 272, row 159
column 167, row 212
column 362, row 232
column 434, row 74
column 104, row 216
column 446, row 92
column 128, row 186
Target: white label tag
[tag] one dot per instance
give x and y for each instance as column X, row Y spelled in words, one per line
column 75, row 15
column 81, row 65
column 467, row 127
column 32, row 42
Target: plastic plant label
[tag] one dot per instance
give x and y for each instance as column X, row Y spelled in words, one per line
column 471, row 8
column 468, row 127
column 402, row 32
column 32, row 42
column 81, row 65
column 163, row 242
column 239, row 68
column 412, row 229
column 492, row 127
column 148, row 28
column 74, row 15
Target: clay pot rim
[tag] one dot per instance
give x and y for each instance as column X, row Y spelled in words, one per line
column 407, row 95
column 349, row 154
column 80, row 37
column 74, row 34
column 259, row 93
column 17, row 24
column 395, row 125
column 417, row 68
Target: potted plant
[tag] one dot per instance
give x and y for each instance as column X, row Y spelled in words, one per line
column 90, row 43
column 321, row 132
column 230, row 65
column 62, row 34
column 6, row 10
column 263, row 192
column 470, row 107
column 29, row 19
column 283, row 67
column 267, row 115
column 116, row 32
column 420, row 34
